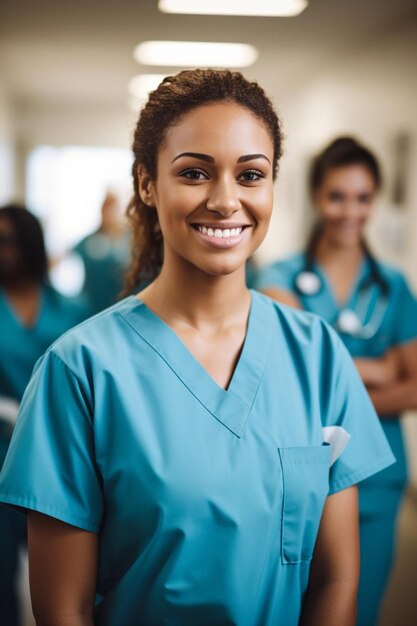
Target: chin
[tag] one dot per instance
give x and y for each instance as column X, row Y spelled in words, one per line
column 343, row 241
column 223, row 269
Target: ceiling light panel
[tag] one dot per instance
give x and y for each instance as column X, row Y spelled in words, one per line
column 265, row 8
column 195, row 54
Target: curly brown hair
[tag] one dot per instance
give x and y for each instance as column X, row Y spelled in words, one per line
column 176, row 96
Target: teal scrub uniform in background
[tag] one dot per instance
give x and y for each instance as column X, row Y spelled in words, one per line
column 123, row 433
column 105, row 261
column 380, row 496
column 250, row 273
column 20, row 348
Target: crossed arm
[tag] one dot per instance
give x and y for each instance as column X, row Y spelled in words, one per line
column 392, row 380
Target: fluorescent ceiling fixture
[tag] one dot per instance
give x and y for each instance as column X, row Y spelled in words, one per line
column 140, row 86
column 195, row 54
column 281, row 8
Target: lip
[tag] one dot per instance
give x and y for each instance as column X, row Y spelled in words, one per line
column 218, row 242
column 221, row 225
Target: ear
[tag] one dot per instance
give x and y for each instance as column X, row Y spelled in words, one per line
column 146, row 187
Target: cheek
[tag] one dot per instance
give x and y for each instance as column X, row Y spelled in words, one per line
column 365, row 212
column 262, row 205
column 329, row 212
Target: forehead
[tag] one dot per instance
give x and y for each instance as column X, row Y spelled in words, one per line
column 219, row 129
column 350, row 177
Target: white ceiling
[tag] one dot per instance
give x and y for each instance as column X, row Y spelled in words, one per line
column 80, row 51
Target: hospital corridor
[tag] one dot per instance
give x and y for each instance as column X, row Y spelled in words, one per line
column 208, row 313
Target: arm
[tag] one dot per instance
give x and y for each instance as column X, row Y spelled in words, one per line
column 283, row 296
column 334, row 574
column 400, row 395
column 62, row 572
column 378, row 372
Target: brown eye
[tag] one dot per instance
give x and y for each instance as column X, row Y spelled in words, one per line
column 193, row 174
column 335, row 196
column 251, row 176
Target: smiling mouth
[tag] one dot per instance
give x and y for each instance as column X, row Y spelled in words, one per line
column 220, row 233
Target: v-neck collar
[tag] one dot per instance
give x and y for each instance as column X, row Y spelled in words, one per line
column 326, row 303
column 232, row 406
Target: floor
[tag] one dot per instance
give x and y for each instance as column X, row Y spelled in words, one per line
column 400, row 606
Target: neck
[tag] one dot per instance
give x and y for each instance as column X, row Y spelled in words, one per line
column 20, row 287
column 188, row 297
column 329, row 252
column 112, row 230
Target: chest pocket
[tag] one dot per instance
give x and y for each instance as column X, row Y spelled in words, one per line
column 305, row 474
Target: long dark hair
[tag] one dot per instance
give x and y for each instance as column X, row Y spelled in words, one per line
column 176, row 96
column 341, row 152
column 29, row 240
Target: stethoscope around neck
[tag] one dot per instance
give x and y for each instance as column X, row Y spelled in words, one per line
column 350, row 321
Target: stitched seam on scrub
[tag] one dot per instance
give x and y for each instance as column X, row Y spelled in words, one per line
column 176, row 374
column 33, row 505
column 361, row 474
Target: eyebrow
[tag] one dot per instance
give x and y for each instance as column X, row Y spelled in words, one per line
column 209, row 159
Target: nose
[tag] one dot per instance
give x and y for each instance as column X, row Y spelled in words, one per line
column 352, row 210
column 223, row 197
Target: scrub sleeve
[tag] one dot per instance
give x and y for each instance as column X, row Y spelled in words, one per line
column 57, row 474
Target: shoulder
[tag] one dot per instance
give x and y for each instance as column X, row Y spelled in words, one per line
column 397, row 282
column 303, row 327
column 290, row 264
column 71, row 309
column 97, row 341
column 281, row 273
column 392, row 274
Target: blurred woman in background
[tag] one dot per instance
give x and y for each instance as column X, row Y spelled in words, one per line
column 105, row 255
column 32, row 316
column 372, row 308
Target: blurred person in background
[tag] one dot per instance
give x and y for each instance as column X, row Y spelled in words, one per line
column 370, row 305
column 32, row 316
column 105, row 255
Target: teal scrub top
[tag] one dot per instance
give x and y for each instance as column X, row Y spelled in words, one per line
column 21, row 346
column 207, row 501
column 250, row 273
column 105, row 262
column 397, row 326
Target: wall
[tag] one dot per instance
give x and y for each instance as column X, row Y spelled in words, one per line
column 7, row 154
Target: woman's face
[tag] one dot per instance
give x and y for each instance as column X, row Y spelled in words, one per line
column 214, row 188
column 344, row 201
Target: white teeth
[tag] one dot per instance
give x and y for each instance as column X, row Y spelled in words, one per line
column 219, row 233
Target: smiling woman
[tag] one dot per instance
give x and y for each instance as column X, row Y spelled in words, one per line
column 184, row 451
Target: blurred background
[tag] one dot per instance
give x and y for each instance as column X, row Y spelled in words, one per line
column 68, row 106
